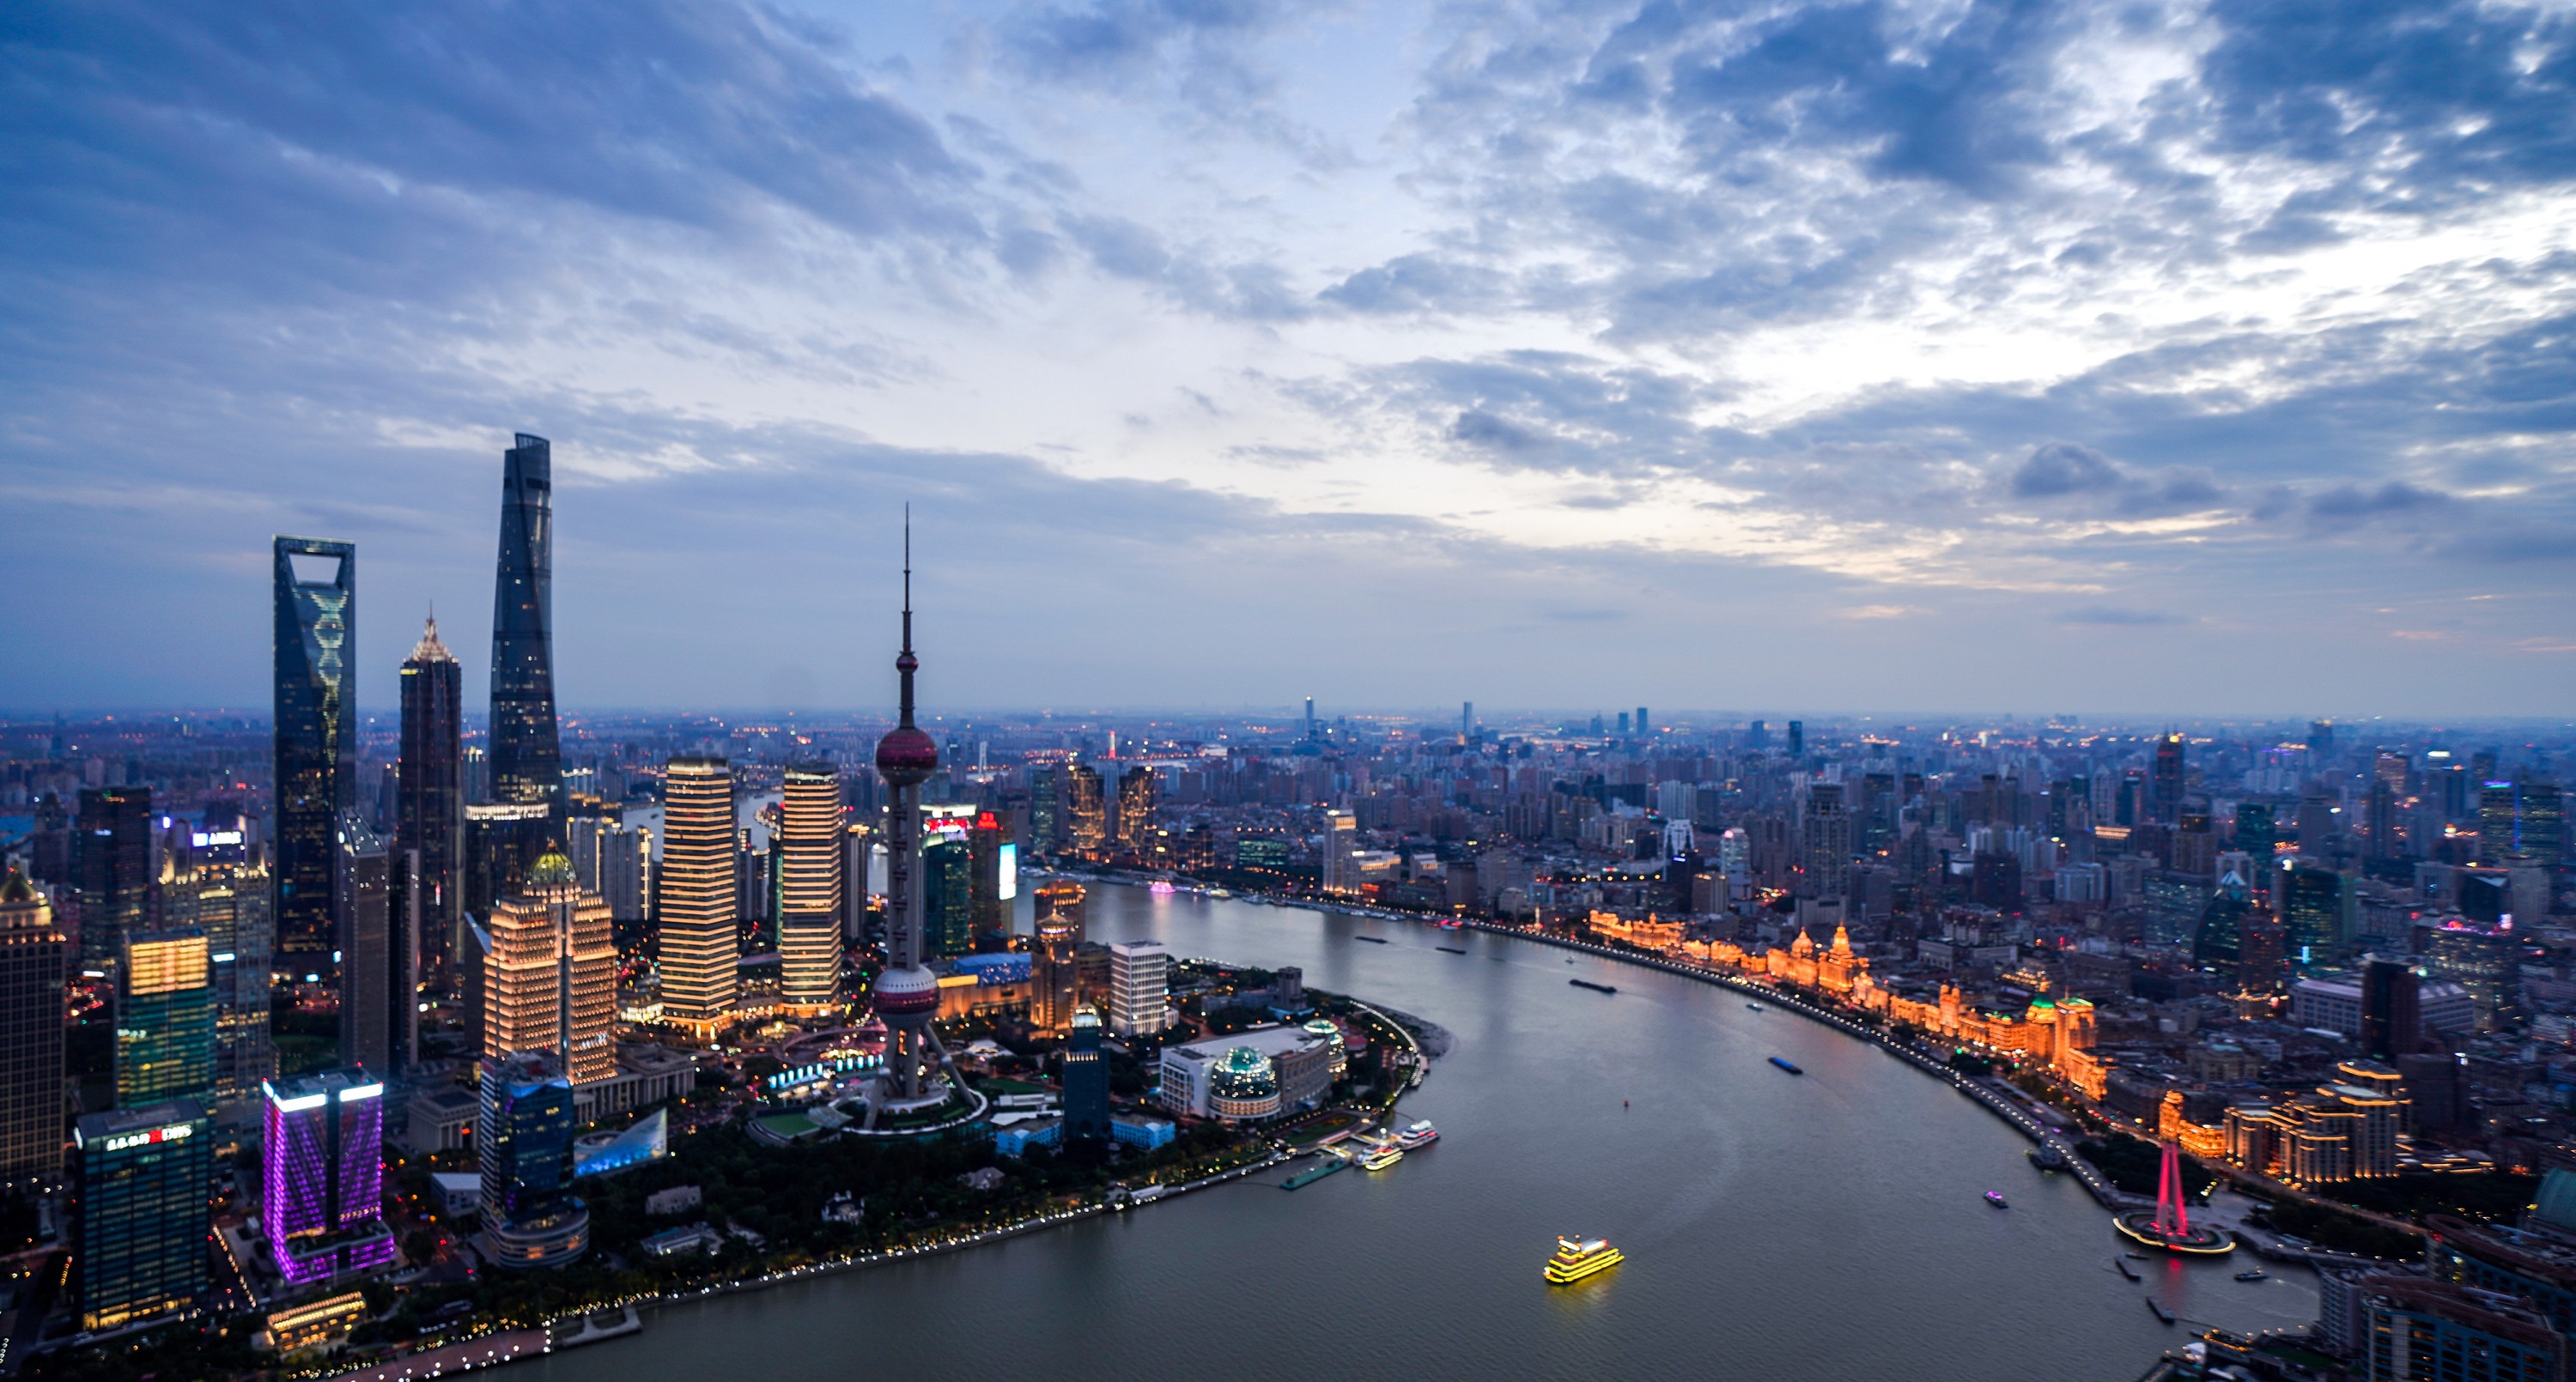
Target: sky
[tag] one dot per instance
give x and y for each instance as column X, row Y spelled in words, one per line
column 2064, row 357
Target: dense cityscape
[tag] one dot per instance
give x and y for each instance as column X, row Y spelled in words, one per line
column 1461, row 688
column 452, row 1013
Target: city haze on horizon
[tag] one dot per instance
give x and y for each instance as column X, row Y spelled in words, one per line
column 1389, row 355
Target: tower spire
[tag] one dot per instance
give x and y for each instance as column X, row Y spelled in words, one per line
column 905, row 662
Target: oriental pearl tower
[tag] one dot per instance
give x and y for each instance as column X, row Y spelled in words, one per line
column 907, row 993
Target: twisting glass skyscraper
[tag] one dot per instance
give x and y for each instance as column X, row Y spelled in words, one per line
column 527, row 761
column 316, row 597
column 526, row 758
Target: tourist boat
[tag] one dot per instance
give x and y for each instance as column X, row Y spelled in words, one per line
column 2047, row 1157
column 2161, row 1312
column 1380, row 1156
column 1756, row 1007
column 1578, row 1258
column 2254, row 1275
column 2125, row 1269
column 1588, row 984
column 1417, row 1135
column 1775, row 1060
column 1996, row 1200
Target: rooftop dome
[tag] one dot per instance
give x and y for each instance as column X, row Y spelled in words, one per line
column 17, row 888
column 552, row 870
column 1244, row 1073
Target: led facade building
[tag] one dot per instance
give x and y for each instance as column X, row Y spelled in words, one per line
column 524, row 1146
column 142, row 1212
column 165, row 1019
column 322, row 1176
column 695, row 916
column 550, row 977
column 31, row 1038
column 315, row 655
column 111, row 870
column 219, row 885
column 429, row 808
column 811, row 877
column 527, row 758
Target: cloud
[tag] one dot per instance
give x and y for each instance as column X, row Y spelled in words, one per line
column 2060, row 468
column 2119, row 616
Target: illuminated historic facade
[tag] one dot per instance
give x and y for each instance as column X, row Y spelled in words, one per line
column 550, row 981
column 811, row 877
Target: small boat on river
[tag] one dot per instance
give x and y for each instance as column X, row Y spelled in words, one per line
column 1588, row 984
column 1775, row 1060
column 1373, row 940
column 1996, row 1200
column 1449, row 949
column 2161, row 1312
column 2254, row 1275
column 2125, row 1269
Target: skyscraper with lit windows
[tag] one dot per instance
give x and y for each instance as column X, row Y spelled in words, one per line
column 811, row 877
column 111, row 869
column 315, row 657
column 429, row 808
column 322, row 1176
column 142, row 1197
column 165, row 1019
column 31, row 1037
column 698, row 945
column 527, row 758
column 550, row 977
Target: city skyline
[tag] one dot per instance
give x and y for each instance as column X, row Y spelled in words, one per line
column 1390, row 354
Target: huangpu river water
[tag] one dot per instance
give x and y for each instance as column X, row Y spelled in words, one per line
column 1830, row 1226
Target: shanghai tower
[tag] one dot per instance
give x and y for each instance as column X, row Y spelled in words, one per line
column 527, row 761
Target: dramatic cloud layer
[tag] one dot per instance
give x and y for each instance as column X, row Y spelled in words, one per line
column 2184, row 358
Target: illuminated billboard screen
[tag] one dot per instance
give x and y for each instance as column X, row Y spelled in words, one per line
column 1010, row 872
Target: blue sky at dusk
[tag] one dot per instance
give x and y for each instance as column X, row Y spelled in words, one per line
column 2184, row 359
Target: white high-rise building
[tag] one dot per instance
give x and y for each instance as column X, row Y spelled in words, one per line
column 1139, row 987
column 1340, row 841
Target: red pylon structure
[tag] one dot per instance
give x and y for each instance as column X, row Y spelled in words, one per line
column 2172, row 1218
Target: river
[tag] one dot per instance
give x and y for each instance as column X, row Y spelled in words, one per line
column 1830, row 1226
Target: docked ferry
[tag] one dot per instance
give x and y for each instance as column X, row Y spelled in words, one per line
column 1578, row 1258
column 1417, row 1136
column 1380, row 1155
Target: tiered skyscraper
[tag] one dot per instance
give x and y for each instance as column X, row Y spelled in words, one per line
column 907, row 994
column 316, row 600
column 550, row 981
column 429, row 812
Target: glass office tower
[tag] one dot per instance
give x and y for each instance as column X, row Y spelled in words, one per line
column 527, row 760
column 142, row 1212
column 165, row 1019
column 316, row 590
column 429, row 806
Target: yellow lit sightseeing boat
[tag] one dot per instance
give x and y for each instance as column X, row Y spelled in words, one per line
column 1577, row 1259
column 1379, row 1156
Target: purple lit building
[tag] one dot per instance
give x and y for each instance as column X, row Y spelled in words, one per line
column 323, row 1176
